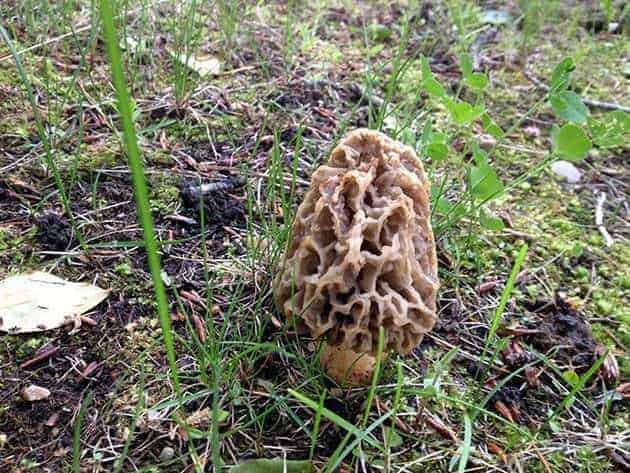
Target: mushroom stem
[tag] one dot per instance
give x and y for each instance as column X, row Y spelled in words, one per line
column 346, row 366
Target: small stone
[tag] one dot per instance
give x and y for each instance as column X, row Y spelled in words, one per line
column 567, row 170
column 167, row 454
column 35, row 393
column 3, row 440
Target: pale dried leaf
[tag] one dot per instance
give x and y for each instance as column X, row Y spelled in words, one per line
column 39, row 301
column 202, row 65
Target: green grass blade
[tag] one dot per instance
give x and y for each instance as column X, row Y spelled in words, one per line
column 337, row 458
column 43, row 136
column 375, row 376
column 465, row 447
column 340, row 421
column 505, row 295
column 568, row 400
column 76, row 438
column 316, row 422
column 118, row 464
column 139, row 184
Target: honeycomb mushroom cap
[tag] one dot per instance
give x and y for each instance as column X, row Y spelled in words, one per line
column 361, row 253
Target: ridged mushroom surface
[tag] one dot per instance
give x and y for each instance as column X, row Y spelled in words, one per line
column 362, row 253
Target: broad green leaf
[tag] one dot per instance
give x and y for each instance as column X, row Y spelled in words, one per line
column 484, row 182
column 273, row 465
column 465, row 64
column 438, row 137
column 477, row 81
column 479, row 155
column 433, row 87
column 463, row 113
column 621, row 118
column 568, row 105
column 489, row 221
column 378, row 32
column 441, row 205
column 395, row 440
column 437, row 151
column 561, row 74
column 491, row 127
column 571, row 142
column 571, row 377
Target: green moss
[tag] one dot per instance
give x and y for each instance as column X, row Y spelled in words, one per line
column 589, row 462
column 90, row 160
column 123, row 269
column 24, row 346
column 4, row 239
column 164, row 198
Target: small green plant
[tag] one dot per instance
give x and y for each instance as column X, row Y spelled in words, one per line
column 186, row 36
column 46, row 132
column 572, row 141
column 227, row 15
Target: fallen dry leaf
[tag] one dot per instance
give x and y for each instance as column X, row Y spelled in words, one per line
column 39, row 301
column 199, row 419
column 532, row 374
column 200, row 327
column 610, row 368
column 441, row 428
column 624, row 389
column 502, row 409
column 498, row 451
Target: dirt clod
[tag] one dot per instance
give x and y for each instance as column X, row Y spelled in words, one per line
column 53, row 232
column 220, row 207
column 566, row 331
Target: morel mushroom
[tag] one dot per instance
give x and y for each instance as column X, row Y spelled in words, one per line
column 362, row 256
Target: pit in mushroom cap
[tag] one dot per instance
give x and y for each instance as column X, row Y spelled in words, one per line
column 362, row 253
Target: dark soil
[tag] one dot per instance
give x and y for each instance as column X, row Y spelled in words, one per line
column 53, row 232
column 564, row 330
column 220, row 207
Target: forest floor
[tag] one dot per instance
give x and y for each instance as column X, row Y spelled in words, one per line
column 291, row 80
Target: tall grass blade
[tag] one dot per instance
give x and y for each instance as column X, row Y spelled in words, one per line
column 338, row 420
column 76, row 438
column 505, row 295
column 139, row 185
column 465, row 448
